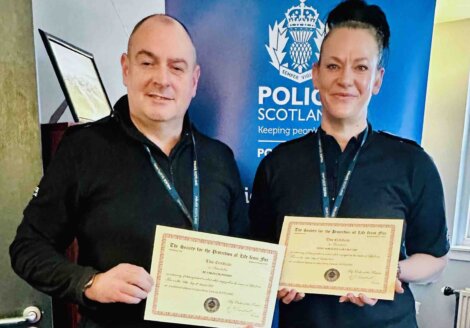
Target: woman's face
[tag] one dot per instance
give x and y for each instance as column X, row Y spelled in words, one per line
column 348, row 74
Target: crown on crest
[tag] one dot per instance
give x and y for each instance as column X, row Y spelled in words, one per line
column 301, row 16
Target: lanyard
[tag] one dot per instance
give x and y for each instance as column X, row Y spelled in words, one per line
column 344, row 184
column 194, row 219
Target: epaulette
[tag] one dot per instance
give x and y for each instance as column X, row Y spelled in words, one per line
column 398, row 138
column 79, row 126
column 102, row 120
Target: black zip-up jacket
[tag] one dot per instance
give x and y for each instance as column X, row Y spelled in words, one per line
column 102, row 189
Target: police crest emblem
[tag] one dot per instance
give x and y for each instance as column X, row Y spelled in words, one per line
column 302, row 32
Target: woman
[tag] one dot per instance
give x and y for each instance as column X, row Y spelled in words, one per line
column 390, row 177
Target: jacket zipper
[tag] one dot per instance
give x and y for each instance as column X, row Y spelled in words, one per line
column 171, row 174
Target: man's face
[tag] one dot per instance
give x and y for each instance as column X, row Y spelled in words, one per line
column 347, row 74
column 160, row 72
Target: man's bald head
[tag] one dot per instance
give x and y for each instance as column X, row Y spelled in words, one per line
column 163, row 19
column 160, row 73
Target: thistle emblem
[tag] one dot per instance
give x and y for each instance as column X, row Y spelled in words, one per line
column 301, row 21
column 303, row 26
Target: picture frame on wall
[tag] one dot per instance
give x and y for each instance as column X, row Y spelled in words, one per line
column 79, row 79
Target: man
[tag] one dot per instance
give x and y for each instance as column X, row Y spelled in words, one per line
column 107, row 186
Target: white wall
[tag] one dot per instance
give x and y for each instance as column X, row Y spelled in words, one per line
column 442, row 139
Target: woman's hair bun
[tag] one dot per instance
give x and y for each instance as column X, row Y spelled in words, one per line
column 360, row 11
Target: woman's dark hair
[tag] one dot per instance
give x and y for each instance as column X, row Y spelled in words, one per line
column 358, row 14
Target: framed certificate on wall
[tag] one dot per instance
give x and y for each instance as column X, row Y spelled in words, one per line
column 79, row 79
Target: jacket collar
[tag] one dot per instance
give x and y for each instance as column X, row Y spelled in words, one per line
column 122, row 116
column 356, row 140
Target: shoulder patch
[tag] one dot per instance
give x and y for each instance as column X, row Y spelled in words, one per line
column 36, row 192
column 395, row 137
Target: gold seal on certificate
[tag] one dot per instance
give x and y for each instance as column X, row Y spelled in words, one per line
column 337, row 256
column 211, row 280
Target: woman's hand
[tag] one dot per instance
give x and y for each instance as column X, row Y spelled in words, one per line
column 287, row 296
column 362, row 299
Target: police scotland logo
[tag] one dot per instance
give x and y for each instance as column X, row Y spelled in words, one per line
column 288, row 104
column 301, row 38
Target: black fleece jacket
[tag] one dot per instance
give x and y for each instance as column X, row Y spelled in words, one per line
column 102, row 189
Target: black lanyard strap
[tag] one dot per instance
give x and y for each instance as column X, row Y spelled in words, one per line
column 344, row 184
column 194, row 218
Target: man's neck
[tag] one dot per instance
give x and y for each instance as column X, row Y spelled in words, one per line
column 343, row 131
column 163, row 134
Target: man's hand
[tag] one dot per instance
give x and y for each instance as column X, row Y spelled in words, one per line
column 287, row 296
column 125, row 283
column 362, row 299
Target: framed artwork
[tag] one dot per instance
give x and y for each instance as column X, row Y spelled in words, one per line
column 79, row 79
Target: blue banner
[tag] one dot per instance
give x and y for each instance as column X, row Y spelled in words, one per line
column 255, row 89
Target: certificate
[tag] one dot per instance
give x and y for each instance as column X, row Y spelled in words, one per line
column 211, row 280
column 339, row 256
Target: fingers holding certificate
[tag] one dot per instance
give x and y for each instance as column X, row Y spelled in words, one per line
column 338, row 256
column 211, row 280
